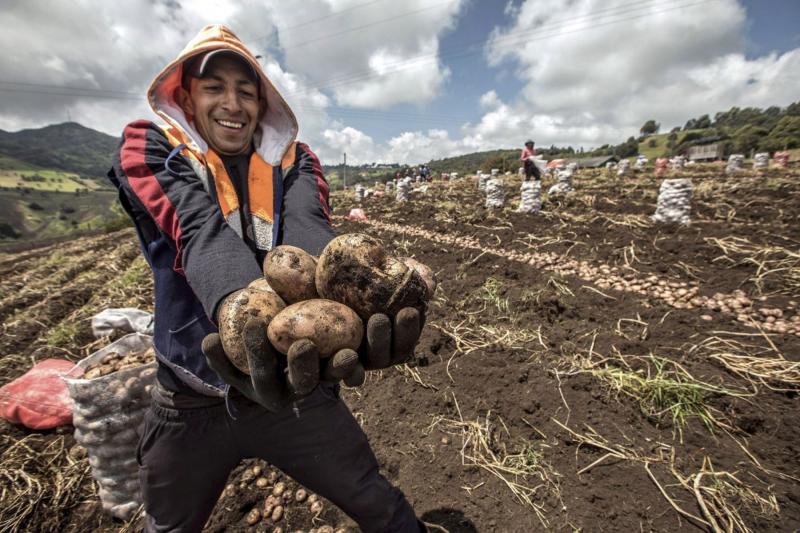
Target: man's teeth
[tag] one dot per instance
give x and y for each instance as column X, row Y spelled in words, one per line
column 229, row 124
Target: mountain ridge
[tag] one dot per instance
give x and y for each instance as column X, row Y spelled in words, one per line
column 67, row 146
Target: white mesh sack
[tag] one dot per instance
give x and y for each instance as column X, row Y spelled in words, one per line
column 121, row 320
column 530, row 197
column 677, row 162
column 360, row 192
column 403, row 188
column 482, row 179
column 495, row 195
column 108, row 412
column 564, row 184
column 674, row 201
column 623, row 167
column 641, row 163
column 761, row 160
column 735, row 162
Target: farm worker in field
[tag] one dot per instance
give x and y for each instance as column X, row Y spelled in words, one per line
column 527, row 157
column 210, row 192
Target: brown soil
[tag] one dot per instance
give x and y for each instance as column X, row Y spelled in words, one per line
column 521, row 353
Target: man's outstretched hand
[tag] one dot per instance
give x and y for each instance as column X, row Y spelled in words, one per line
column 275, row 384
column 271, row 383
column 387, row 343
column 391, row 342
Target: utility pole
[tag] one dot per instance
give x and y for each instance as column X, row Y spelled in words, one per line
column 344, row 172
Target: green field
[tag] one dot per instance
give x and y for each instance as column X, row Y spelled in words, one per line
column 41, row 214
column 9, row 163
column 660, row 149
column 46, row 180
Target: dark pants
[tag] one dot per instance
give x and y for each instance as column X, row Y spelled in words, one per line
column 186, row 455
column 532, row 171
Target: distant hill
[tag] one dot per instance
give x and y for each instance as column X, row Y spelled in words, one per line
column 470, row 163
column 68, row 146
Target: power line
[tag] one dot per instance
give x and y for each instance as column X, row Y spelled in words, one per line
column 349, row 78
column 341, row 111
column 357, row 75
column 320, row 19
column 543, row 33
column 363, row 26
column 357, row 113
column 66, row 88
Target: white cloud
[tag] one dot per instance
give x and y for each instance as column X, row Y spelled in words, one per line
column 591, row 79
column 352, row 141
column 118, row 47
column 490, row 100
column 113, row 49
column 587, row 79
column 389, row 57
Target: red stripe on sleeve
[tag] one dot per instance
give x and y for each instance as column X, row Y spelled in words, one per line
column 322, row 185
column 145, row 185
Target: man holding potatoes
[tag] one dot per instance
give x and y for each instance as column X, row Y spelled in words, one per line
column 211, row 192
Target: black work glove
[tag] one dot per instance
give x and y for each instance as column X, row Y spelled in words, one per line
column 275, row 384
column 391, row 342
column 274, row 381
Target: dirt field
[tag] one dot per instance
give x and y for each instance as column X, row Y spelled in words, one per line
column 581, row 370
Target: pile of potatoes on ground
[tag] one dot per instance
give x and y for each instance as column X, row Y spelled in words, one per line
column 284, row 498
column 327, row 299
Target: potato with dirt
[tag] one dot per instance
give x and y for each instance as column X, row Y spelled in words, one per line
column 330, row 325
column 425, row 272
column 290, row 272
column 355, row 270
column 257, row 300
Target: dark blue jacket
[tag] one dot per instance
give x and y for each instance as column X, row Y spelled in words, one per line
column 196, row 257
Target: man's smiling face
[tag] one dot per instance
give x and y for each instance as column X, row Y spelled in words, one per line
column 224, row 105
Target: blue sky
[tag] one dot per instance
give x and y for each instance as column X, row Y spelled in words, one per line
column 433, row 78
column 772, row 26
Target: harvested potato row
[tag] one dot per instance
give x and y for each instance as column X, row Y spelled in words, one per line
column 290, row 271
column 331, row 326
column 355, row 270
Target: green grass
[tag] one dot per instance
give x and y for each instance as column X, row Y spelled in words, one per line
column 665, row 390
column 490, row 295
column 54, row 180
column 138, row 275
column 9, row 163
column 63, row 335
column 41, row 214
column 660, row 149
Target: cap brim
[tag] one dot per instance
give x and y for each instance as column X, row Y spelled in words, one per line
column 202, row 65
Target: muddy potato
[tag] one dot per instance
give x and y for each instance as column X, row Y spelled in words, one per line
column 355, row 270
column 331, row 326
column 425, row 272
column 290, row 271
column 257, row 300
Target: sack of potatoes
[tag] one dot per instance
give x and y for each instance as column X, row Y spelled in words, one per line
column 111, row 391
column 327, row 299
